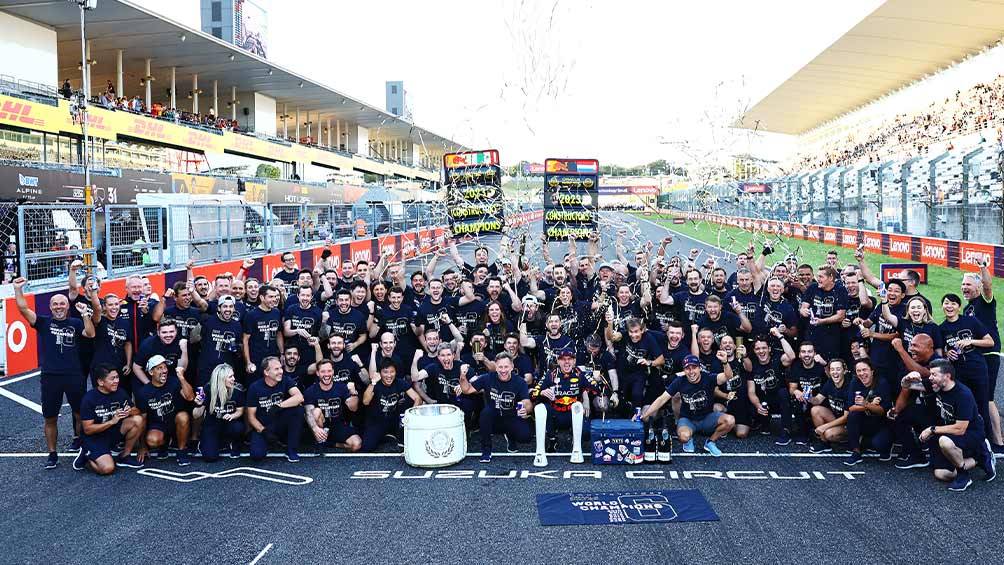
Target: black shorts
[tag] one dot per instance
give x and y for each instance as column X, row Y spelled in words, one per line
column 98, row 445
column 55, row 386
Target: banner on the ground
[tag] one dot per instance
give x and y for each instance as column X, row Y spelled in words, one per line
column 474, row 192
column 640, row 507
column 571, row 193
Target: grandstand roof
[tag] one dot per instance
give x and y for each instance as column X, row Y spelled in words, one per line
column 119, row 24
column 900, row 42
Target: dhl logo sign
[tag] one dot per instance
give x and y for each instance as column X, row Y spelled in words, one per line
column 14, row 112
column 146, row 128
column 199, row 139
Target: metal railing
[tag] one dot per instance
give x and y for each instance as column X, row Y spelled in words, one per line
column 119, row 240
column 954, row 194
column 51, row 237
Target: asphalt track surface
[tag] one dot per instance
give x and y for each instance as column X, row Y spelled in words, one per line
column 775, row 504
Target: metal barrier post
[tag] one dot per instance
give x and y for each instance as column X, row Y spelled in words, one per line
column 966, row 159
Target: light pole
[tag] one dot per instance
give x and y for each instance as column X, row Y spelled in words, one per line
column 86, row 88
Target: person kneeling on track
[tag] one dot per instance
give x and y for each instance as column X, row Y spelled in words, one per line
column 958, row 440
column 697, row 414
column 829, row 408
column 326, row 403
column 868, row 400
column 163, row 404
column 274, row 411
column 222, row 409
column 386, row 399
column 107, row 418
column 508, row 405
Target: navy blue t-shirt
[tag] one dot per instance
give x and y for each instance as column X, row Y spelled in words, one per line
column 748, row 301
column 986, row 313
column 881, row 352
column 501, row 396
column 154, row 346
column 727, row 324
column 265, row 399
column 110, row 338
column 217, row 412
column 698, row 398
column 220, row 343
column 262, row 328
column 836, row 397
column 627, row 358
column 59, row 345
column 690, row 306
column 767, row 377
column 160, row 404
column 101, row 407
column 440, row 383
column 302, row 319
column 331, row 401
column 548, row 349
column 971, row 363
column 879, row 389
column 428, row 313
column 958, row 404
column 386, row 399
column 825, row 303
column 812, row 377
column 350, row 325
column 186, row 319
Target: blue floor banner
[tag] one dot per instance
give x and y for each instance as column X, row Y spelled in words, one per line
column 584, row 508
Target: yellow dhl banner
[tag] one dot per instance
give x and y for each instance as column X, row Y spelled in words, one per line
column 110, row 124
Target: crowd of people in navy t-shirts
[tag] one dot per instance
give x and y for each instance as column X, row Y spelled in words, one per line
column 828, row 357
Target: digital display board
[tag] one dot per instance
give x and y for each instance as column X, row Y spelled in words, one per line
column 571, row 191
column 474, row 192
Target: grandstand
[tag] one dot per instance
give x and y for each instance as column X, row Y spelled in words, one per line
column 157, row 84
column 894, row 133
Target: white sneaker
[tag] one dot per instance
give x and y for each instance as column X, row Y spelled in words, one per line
column 577, row 456
column 540, row 460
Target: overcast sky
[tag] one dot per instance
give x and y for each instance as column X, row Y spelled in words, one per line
column 551, row 78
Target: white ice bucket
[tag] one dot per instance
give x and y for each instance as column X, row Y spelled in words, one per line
column 434, row 435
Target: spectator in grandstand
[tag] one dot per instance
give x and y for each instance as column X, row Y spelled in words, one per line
column 59, row 338
column 65, row 91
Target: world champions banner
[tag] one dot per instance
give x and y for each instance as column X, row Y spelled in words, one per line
column 571, row 189
column 474, row 192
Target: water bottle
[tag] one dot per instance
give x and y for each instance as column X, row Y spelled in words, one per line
column 519, row 406
column 665, row 447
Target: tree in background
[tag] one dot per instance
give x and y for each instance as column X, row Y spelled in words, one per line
column 266, row 171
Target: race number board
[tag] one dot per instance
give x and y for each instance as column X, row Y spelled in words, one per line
column 571, row 188
column 474, row 192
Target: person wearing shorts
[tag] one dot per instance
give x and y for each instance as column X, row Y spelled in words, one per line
column 59, row 338
column 697, row 414
column 163, row 402
column 957, row 442
column 326, row 403
column 106, row 419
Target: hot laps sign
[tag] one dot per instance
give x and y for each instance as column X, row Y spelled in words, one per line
column 474, row 192
column 571, row 188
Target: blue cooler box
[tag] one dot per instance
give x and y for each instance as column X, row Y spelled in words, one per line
column 617, row 442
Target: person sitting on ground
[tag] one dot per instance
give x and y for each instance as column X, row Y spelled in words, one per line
column 107, row 417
